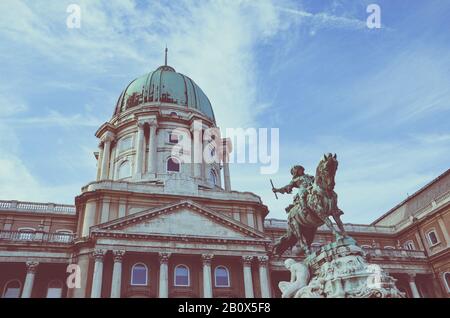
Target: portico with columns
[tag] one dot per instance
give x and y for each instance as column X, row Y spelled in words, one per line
column 231, row 263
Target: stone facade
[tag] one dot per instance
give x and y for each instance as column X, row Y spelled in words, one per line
column 153, row 225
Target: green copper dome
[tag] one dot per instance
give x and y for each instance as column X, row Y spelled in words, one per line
column 165, row 85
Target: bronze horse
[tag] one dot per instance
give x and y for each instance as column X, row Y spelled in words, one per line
column 321, row 203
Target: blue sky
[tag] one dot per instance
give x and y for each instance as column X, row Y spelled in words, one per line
column 379, row 98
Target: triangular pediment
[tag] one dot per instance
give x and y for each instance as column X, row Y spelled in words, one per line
column 184, row 218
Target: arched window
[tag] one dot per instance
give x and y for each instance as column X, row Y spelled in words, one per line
column 432, row 237
column 221, row 277
column 125, row 144
column 173, row 165
column 389, row 247
column 182, row 276
column 54, row 289
column 124, row 170
column 212, row 177
column 139, row 275
column 12, row 289
column 447, row 281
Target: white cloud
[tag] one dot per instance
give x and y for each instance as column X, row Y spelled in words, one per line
column 325, row 20
column 55, row 118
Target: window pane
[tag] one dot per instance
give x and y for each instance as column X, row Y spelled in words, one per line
column 125, row 144
column 447, row 280
column 12, row 293
column 12, row 290
column 139, row 275
column 221, row 277
column 181, row 276
column 433, row 237
column 54, row 293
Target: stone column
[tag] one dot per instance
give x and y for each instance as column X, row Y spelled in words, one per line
column 226, row 175
column 413, row 286
column 97, row 277
column 163, row 275
column 29, row 279
column 444, row 231
column 197, row 150
column 107, row 139
column 225, row 162
column 263, row 276
column 248, row 280
column 152, row 146
column 116, row 283
column 104, row 216
column 82, row 260
column 139, row 151
column 122, row 208
column 99, row 160
column 90, row 211
column 207, row 285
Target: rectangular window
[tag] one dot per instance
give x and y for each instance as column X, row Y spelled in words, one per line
column 125, row 144
column 174, row 138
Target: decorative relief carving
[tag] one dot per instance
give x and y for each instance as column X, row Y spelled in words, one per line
column 31, row 266
column 164, row 258
column 247, row 260
column 98, row 255
column 207, row 258
column 263, row 260
column 118, row 255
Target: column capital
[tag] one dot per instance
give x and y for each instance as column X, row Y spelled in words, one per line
column 207, row 259
column 247, row 260
column 118, row 255
column 98, row 254
column 411, row 277
column 32, row 266
column 140, row 124
column 108, row 137
column 164, row 258
column 263, row 260
column 153, row 123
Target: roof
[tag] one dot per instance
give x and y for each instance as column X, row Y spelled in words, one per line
column 415, row 194
column 165, row 85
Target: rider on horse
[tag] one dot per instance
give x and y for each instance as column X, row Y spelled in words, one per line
column 300, row 180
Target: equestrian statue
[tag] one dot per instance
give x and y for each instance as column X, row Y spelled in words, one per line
column 312, row 206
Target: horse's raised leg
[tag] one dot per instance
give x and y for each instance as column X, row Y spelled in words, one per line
column 330, row 225
column 339, row 223
column 303, row 245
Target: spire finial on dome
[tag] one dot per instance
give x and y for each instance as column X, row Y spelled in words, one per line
column 165, row 60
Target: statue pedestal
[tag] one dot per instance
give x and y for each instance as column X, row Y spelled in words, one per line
column 340, row 270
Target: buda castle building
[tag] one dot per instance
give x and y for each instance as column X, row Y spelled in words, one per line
column 153, row 224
